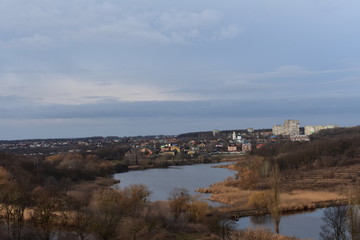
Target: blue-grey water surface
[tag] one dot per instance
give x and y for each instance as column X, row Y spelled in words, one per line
column 161, row 181
column 302, row 225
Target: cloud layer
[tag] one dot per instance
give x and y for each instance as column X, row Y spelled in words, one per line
column 140, row 67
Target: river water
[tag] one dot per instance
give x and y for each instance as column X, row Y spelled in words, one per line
column 161, row 181
column 302, row 225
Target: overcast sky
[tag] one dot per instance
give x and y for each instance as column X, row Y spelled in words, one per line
column 123, row 68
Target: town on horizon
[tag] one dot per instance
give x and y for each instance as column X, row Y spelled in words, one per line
column 213, row 142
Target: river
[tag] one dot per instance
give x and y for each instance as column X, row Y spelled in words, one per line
column 161, row 181
column 305, row 225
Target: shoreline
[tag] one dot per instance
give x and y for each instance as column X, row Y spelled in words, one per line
column 294, row 196
column 235, row 209
column 171, row 163
column 110, row 181
column 317, row 205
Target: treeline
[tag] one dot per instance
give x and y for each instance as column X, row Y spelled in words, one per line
column 37, row 202
column 74, row 167
column 327, row 148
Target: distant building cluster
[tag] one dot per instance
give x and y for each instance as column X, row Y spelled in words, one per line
column 291, row 128
column 186, row 145
column 314, row 129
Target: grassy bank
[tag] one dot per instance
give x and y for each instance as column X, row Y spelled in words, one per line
column 299, row 190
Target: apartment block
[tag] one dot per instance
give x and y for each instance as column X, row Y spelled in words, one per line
column 314, row 129
column 290, row 127
column 278, row 129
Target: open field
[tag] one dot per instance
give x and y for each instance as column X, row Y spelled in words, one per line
column 330, row 179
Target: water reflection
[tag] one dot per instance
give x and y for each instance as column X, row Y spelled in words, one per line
column 303, row 225
column 260, row 220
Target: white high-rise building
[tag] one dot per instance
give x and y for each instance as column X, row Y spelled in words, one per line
column 290, row 127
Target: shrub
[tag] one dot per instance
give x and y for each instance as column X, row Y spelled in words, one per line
column 259, row 200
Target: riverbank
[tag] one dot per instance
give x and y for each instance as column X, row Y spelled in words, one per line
column 201, row 171
column 183, row 162
column 300, row 190
column 91, row 185
column 87, row 186
column 238, row 200
column 313, row 207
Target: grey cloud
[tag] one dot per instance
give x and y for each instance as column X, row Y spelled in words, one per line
column 229, row 32
column 185, row 20
column 11, row 101
column 60, row 22
column 194, row 109
column 292, row 59
column 33, row 41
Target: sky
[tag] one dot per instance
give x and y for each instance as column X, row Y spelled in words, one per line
column 85, row 68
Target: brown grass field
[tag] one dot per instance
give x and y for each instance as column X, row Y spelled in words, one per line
column 300, row 189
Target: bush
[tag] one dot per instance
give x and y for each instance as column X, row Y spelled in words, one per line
column 259, row 200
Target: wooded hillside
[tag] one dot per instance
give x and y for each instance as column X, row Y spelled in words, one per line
column 327, row 148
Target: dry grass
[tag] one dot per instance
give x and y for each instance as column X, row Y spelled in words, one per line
column 237, row 199
column 302, row 199
column 230, row 195
column 300, row 189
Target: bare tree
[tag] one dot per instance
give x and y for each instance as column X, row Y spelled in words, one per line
column 107, row 210
column 197, row 209
column 153, row 219
column 133, row 226
column 354, row 212
column 222, row 226
column 82, row 219
column 275, row 197
column 13, row 200
column 178, row 201
column 335, row 224
column 354, row 221
column 47, row 205
column 135, row 198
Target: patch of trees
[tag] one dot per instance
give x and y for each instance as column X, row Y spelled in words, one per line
column 62, row 167
column 332, row 147
column 76, row 166
column 112, row 152
column 37, row 203
column 50, row 211
column 336, row 133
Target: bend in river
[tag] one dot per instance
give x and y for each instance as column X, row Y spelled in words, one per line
column 161, row 181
